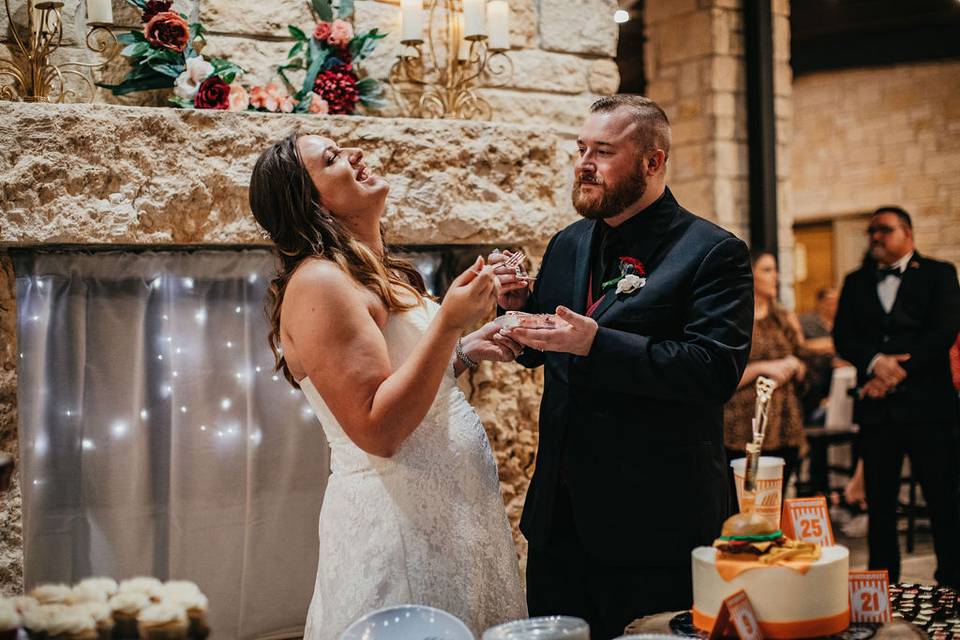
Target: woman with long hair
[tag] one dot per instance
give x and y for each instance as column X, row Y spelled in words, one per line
column 775, row 354
column 412, row 511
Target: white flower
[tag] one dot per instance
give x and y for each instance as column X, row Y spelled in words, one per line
column 188, row 82
column 629, row 283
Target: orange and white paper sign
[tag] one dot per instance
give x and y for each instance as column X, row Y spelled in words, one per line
column 736, row 612
column 869, row 596
column 808, row 520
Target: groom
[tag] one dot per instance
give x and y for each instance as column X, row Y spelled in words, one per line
column 658, row 304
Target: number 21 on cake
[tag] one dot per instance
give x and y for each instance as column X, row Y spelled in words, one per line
column 869, row 596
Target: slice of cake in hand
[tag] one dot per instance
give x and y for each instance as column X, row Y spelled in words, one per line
column 796, row 589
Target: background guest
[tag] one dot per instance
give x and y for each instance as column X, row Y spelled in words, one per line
column 818, row 355
column 897, row 317
column 774, row 354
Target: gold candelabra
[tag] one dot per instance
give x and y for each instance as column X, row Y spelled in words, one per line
column 438, row 77
column 31, row 76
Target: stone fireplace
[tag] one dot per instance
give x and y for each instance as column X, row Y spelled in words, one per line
column 95, row 176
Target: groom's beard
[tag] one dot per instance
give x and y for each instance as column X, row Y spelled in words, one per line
column 613, row 201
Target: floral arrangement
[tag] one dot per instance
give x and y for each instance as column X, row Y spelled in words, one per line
column 165, row 55
column 329, row 55
column 632, row 276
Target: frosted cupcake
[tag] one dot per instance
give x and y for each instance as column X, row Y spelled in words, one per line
column 163, row 621
column 125, row 606
column 37, row 619
column 9, row 620
column 22, row 603
column 189, row 597
column 53, row 594
column 94, row 589
column 102, row 616
column 143, row 584
column 71, row 624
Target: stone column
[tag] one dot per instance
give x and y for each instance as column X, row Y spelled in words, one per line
column 696, row 72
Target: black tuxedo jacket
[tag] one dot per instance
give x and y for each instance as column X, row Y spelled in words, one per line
column 923, row 322
column 635, row 427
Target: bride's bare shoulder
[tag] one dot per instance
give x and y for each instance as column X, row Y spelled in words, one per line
column 319, row 284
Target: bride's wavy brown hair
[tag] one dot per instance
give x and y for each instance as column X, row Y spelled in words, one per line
column 286, row 203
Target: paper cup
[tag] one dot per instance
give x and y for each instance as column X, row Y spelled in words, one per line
column 769, row 486
column 545, row 628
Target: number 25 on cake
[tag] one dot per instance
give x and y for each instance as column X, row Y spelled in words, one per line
column 796, row 589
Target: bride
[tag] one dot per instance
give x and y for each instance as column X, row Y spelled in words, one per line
column 412, row 511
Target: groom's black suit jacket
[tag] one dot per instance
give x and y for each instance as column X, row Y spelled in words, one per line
column 633, row 430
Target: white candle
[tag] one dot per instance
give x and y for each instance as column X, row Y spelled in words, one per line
column 99, row 11
column 498, row 13
column 463, row 43
column 475, row 17
column 411, row 18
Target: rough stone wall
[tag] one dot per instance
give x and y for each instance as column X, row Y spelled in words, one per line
column 105, row 174
column 562, row 50
column 697, row 72
column 891, row 135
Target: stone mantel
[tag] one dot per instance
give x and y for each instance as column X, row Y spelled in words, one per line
column 108, row 174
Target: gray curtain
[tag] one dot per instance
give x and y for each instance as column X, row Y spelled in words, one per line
column 155, row 438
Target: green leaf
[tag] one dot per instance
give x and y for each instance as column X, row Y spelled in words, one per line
column 181, row 102
column 139, row 4
column 304, row 105
column 131, row 36
column 369, row 85
column 297, row 33
column 318, row 56
column 135, row 50
column 145, row 84
column 346, row 9
column 167, row 69
column 372, row 102
column 296, row 49
column 323, row 9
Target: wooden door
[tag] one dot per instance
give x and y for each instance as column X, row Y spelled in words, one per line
column 814, row 262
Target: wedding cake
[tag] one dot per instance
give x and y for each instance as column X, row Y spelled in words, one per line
column 796, row 589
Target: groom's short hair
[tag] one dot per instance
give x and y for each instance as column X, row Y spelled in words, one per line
column 653, row 130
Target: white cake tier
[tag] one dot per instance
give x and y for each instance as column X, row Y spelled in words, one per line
column 788, row 604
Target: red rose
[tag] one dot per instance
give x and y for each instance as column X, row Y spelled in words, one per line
column 322, row 31
column 338, row 86
column 213, row 93
column 154, row 7
column 636, row 264
column 167, row 29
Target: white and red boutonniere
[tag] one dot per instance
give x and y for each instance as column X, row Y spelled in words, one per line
column 633, row 276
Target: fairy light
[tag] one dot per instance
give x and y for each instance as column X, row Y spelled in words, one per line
column 226, row 403
column 120, row 428
column 187, row 283
column 238, row 309
column 87, row 444
column 144, row 414
column 183, row 408
column 200, row 316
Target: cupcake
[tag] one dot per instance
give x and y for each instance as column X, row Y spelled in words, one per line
column 22, row 603
column 53, row 594
column 102, row 616
column 163, row 621
column 89, row 586
column 70, row 623
column 143, row 584
column 196, row 605
column 37, row 619
column 124, row 607
column 9, row 620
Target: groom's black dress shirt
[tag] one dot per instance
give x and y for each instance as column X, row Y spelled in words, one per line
column 609, row 244
column 636, row 425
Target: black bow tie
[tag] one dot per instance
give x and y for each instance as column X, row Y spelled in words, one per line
column 883, row 272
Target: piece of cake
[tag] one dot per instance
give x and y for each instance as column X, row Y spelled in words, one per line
column 53, row 594
column 796, row 589
column 124, row 607
column 102, row 616
column 70, row 623
column 143, row 584
column 188, row 595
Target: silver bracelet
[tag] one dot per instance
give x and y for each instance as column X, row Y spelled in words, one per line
column 464, row 358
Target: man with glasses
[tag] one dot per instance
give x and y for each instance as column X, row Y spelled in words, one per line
column 897, row 317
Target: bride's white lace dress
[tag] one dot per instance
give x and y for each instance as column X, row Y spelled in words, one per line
column 426, row 526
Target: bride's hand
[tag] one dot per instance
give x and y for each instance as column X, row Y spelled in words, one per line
column 470, row 296
column 487, row 343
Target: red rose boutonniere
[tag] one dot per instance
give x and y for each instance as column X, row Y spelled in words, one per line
column 633, row 276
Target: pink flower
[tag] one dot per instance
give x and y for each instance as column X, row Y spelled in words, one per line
column 322, row 31
column 287, row 104
column 260, row 98
column 341, row 32
column 239, row 98
column 318, row 104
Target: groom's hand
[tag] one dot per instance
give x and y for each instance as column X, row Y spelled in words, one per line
column 574, row 335
column 513, row 290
